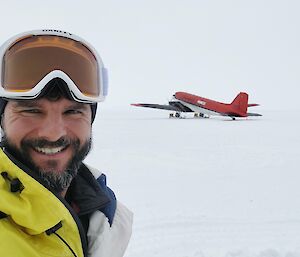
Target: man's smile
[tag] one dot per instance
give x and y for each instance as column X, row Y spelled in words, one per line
column 50, row 150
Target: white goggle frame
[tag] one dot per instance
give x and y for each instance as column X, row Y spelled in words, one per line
column 36, row 90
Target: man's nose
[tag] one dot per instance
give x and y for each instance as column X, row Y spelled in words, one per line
column 52, row 127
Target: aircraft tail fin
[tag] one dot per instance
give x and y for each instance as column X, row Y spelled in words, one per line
column 240, row 103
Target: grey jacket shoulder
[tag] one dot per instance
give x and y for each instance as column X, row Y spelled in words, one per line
column 109, row 236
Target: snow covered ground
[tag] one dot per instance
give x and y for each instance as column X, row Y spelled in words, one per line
column 204, row 187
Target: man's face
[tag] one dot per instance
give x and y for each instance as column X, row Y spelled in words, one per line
column 51, row 137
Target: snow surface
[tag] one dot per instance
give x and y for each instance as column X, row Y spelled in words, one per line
column 204, row 187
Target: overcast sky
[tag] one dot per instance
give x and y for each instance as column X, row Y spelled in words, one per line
column 213, row 48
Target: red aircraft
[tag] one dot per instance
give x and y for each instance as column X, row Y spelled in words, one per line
column 203, row 107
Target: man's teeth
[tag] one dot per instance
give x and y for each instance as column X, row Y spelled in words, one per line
column 53, row 150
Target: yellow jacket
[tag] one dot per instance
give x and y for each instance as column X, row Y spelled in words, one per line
column 33, row 221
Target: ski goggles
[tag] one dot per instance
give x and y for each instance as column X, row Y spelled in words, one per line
column 29, row 61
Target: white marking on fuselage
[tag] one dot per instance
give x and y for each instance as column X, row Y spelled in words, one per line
column 201, row 102
column 199, row 109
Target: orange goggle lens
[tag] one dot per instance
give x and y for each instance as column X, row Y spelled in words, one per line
column 30, row 59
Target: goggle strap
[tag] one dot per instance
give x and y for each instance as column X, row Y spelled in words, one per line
column 105, row 81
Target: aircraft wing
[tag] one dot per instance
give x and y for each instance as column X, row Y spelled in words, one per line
column 159, row 106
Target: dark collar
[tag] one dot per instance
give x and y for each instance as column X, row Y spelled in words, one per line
column 84, row 193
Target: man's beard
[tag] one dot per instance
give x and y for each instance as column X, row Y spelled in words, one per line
column 58, row 181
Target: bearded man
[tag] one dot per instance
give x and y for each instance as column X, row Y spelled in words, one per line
column 51, row 203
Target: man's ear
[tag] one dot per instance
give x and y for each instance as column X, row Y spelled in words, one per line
column 1, row 120
column 1, row 135
column 1, row 126
column 3, row 104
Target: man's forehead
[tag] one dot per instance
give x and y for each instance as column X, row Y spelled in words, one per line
column 21, row 103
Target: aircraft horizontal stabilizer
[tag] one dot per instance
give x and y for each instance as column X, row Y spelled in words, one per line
column 253, row 114
column 251, row 105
